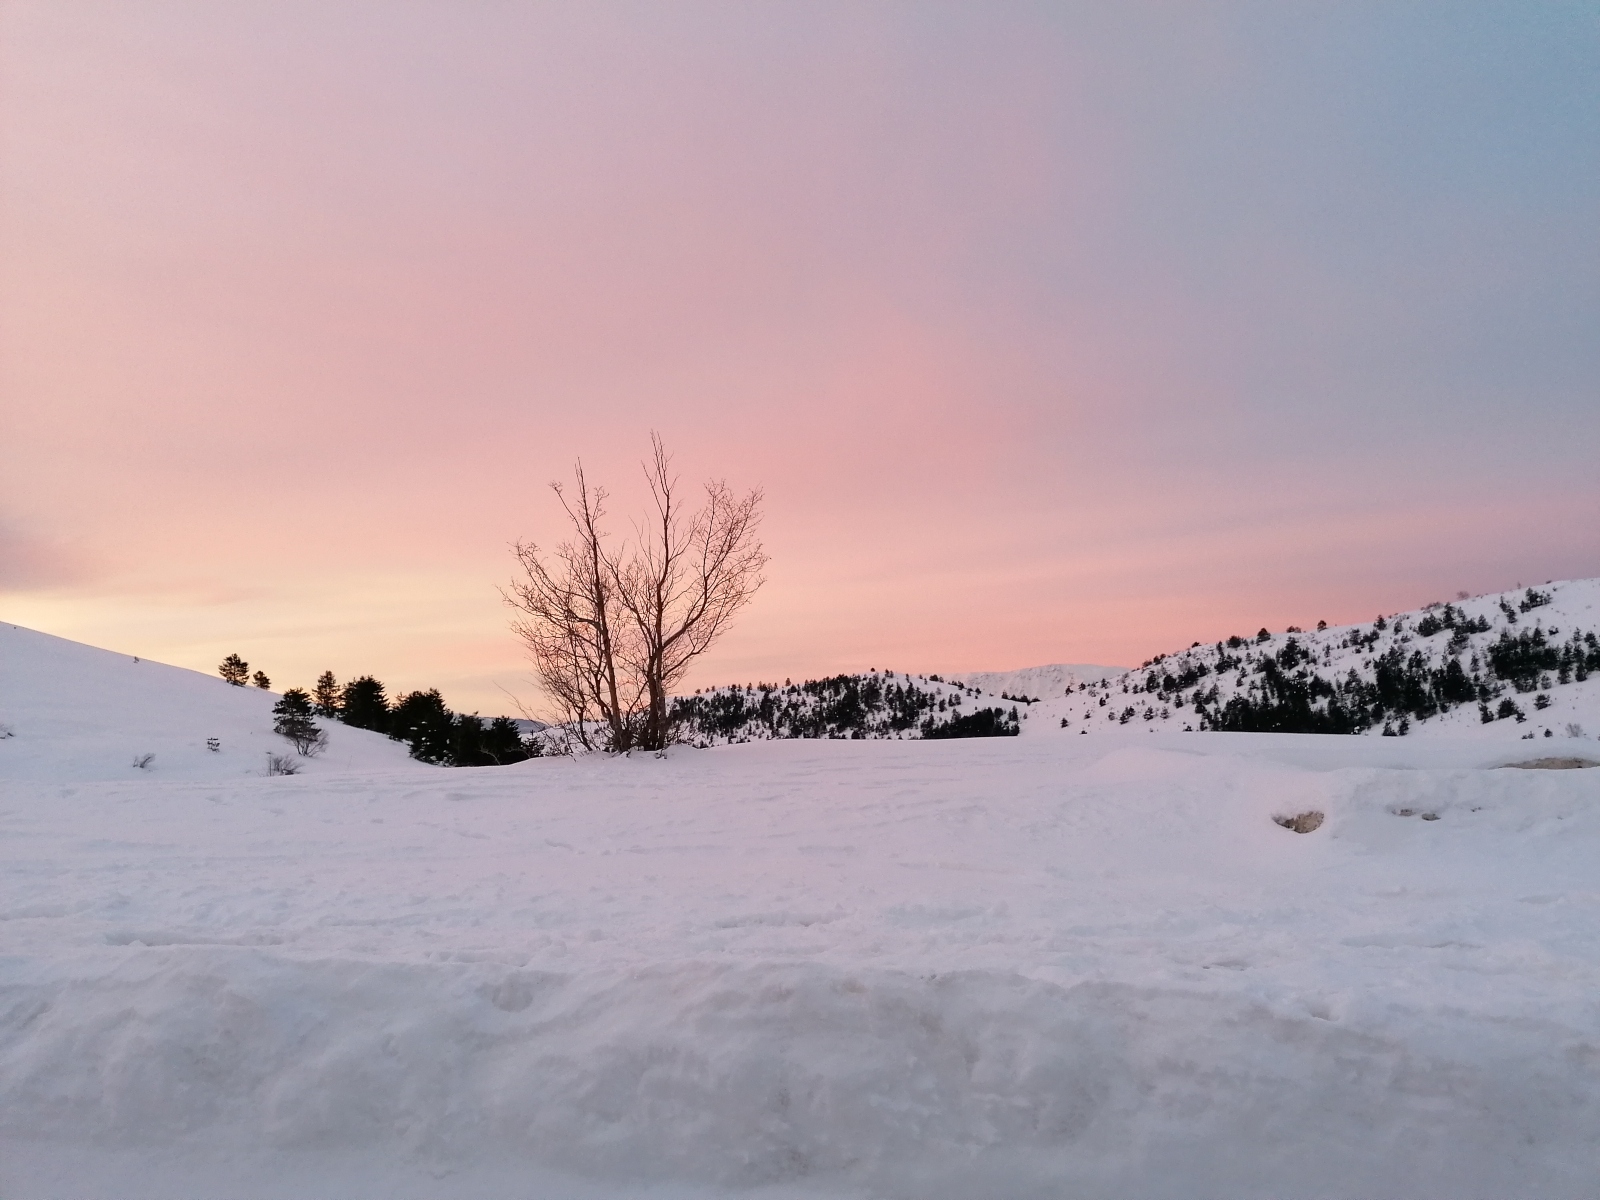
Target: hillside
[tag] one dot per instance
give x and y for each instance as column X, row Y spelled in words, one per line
column 1520, row 665
column 1055, row 679
column 75, row 712
column 876, row 704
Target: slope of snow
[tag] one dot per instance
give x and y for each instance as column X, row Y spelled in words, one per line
column 1038, row 682
column 1563, row 616
column 70, row 712
column 1436, row 671
column 1014, row 967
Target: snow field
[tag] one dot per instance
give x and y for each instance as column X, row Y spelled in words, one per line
column 1009, row 967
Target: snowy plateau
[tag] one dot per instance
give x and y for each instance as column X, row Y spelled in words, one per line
column 1095, row 960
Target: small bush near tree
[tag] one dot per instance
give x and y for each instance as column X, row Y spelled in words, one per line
column 261, row 681
column 282, row 764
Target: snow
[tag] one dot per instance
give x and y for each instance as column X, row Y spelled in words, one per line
column 1035, row 966
column 1573, row 607
column 79, row 713
column 1037, row 682
column 1392, row 677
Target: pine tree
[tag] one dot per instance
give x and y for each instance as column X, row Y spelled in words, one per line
column 326, row 695
column 235, row 670
column 292, row 719
column 502, row 741
column 261, row 681
column 421, row 720
column 363, row 704
column 466, row 742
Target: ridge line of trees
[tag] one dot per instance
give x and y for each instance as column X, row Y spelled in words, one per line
column 421, row 719
column 871, row 705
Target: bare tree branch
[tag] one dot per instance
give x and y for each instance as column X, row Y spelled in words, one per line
column 611, row 633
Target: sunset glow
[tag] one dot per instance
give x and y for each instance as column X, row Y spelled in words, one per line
column 1053, row 333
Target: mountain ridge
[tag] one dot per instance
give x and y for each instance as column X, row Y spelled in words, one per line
column 1522, row 663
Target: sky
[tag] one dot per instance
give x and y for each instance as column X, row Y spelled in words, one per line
column 1052, row 332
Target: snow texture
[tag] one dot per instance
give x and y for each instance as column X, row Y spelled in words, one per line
column 1010, row 967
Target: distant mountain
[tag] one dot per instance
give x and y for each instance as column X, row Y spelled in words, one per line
column 1038, row 683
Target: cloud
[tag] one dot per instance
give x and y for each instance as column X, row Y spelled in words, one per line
column 29, row 563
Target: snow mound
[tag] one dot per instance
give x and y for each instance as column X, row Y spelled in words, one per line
column 70, row 712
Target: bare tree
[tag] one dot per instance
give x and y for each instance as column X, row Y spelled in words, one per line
column 570, row 625
column 611, row 632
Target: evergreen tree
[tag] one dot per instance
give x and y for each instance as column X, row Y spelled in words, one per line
column 294, row 701
column 421, row 720
column 235, row 670
column 985, row 722
column 363, row 704
column 261, row 681
column 466, row 742
column 291, row 718
column 326, row 695
column 502, row 741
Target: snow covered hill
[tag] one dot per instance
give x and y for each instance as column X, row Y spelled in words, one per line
column 1037, row 682
column 1522, row 665
column 71, row 712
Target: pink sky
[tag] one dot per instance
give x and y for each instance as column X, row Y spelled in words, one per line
column 1052, row 335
